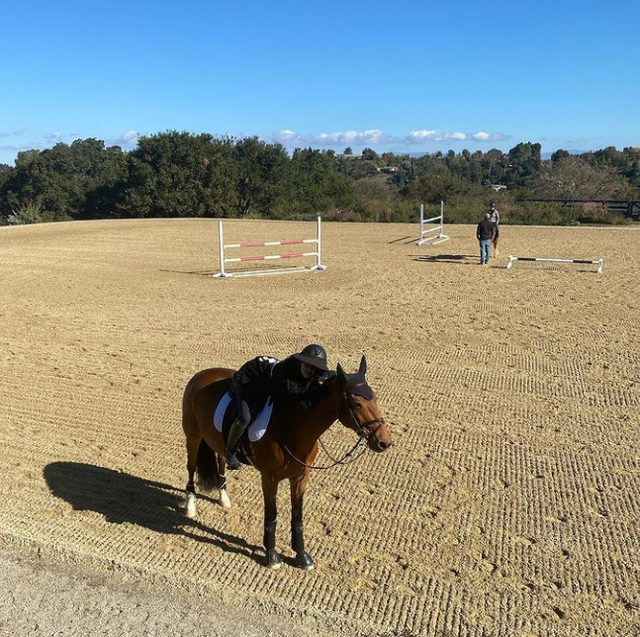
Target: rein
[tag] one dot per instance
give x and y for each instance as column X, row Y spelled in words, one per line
column 362, row 435
column 336, row 461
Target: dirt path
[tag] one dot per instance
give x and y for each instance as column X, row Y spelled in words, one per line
column 45, row 599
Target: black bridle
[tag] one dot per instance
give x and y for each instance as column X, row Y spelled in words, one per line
column 361, row 427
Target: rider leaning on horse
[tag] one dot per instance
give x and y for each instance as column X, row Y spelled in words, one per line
column 296, row 379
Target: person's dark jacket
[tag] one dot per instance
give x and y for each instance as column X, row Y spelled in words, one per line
column 264, row 376
column 486, row 230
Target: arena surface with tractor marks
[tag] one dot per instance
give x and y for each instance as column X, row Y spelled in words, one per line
column 508, row 505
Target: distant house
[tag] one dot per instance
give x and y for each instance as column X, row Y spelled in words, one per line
column 389, row 170
column 343, row 156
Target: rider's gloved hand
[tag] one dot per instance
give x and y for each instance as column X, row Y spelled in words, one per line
column 322, row 378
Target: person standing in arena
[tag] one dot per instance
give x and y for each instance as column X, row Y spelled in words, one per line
column 485, row 233
column 495, row 218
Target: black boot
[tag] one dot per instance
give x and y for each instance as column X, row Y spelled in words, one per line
column 235, row 434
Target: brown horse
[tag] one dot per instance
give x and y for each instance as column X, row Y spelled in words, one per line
column 286, row 451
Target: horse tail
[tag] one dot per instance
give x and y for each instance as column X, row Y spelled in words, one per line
column 207, row 470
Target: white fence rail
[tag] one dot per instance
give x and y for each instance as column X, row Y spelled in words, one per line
column 598, row 262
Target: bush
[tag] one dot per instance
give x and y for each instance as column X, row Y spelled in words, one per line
column 541, row 214
column 341, row 214
column 598, row 213
column 25, row 214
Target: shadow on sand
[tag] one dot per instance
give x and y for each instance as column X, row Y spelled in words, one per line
column 198, row 272
column 123, row 498
column 461, row 259
column 406, row 240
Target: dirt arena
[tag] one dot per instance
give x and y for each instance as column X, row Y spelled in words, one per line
column 507, row 506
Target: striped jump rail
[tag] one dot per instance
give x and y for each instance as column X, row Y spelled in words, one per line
column 269, row 257
column 426, row 233
column 598, row 262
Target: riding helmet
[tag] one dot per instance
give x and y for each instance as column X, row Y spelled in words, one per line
column 314, row 355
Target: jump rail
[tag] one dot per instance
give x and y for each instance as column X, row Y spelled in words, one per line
column 439, row 223
column 261, row 244
column 598, row 262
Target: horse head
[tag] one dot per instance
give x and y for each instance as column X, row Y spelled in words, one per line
column 359, row 409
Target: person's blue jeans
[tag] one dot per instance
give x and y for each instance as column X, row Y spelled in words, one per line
column 485, row 246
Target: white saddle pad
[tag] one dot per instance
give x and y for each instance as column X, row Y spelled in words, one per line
column 256, row 429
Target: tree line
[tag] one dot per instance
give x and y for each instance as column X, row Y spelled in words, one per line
column 180, row 174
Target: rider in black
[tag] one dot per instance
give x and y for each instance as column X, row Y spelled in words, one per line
column 295, row 379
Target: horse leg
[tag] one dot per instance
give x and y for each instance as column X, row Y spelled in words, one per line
column 225, row 502
column 270, row 493
column 193, row 444
column 298, row 486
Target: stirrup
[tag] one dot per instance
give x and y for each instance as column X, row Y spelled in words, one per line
column 232, row 461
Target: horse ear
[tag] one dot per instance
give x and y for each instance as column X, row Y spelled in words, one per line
column 341, row 375
column 363, row 365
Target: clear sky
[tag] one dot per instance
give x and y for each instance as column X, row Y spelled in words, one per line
column 408, row 76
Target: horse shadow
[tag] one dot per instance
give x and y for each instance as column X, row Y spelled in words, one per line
column 460, row 259
column 122, row 498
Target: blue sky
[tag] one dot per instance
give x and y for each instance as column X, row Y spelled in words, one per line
column 406, row 76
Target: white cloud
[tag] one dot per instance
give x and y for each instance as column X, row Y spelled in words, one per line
column 375, row 137
column 126, row 140
column 368, row 137
column 358, row 138
column 419, row 136
column 481, row 136
column 53, row 138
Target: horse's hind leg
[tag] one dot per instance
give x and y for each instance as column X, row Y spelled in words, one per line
column 222, row 481
column 270, row 495
column 193, row 444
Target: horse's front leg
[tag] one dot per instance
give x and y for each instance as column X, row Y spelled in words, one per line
column 270, row 494
column 298, row 486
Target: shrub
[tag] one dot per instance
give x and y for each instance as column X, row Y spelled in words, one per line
column 541, row 214
column 341, row 214
column 25, row 213
column 598, row 213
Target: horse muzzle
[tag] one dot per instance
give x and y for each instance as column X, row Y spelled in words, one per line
column 379, row 445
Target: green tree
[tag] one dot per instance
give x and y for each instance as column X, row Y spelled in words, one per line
column 574, row 178
column 316, row 184
column 78, row 181
column 180, row 174
column 559, row 155
column 525, row 161
column 369, row 154
column 259, row 174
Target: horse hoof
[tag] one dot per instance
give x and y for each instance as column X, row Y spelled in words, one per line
column 225, row 501
column 190, row 508
column 273, row 560
column 304, row 561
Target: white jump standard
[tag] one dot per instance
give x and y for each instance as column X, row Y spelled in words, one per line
column 598, row 262
column 425, row 234
column 263, row 244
